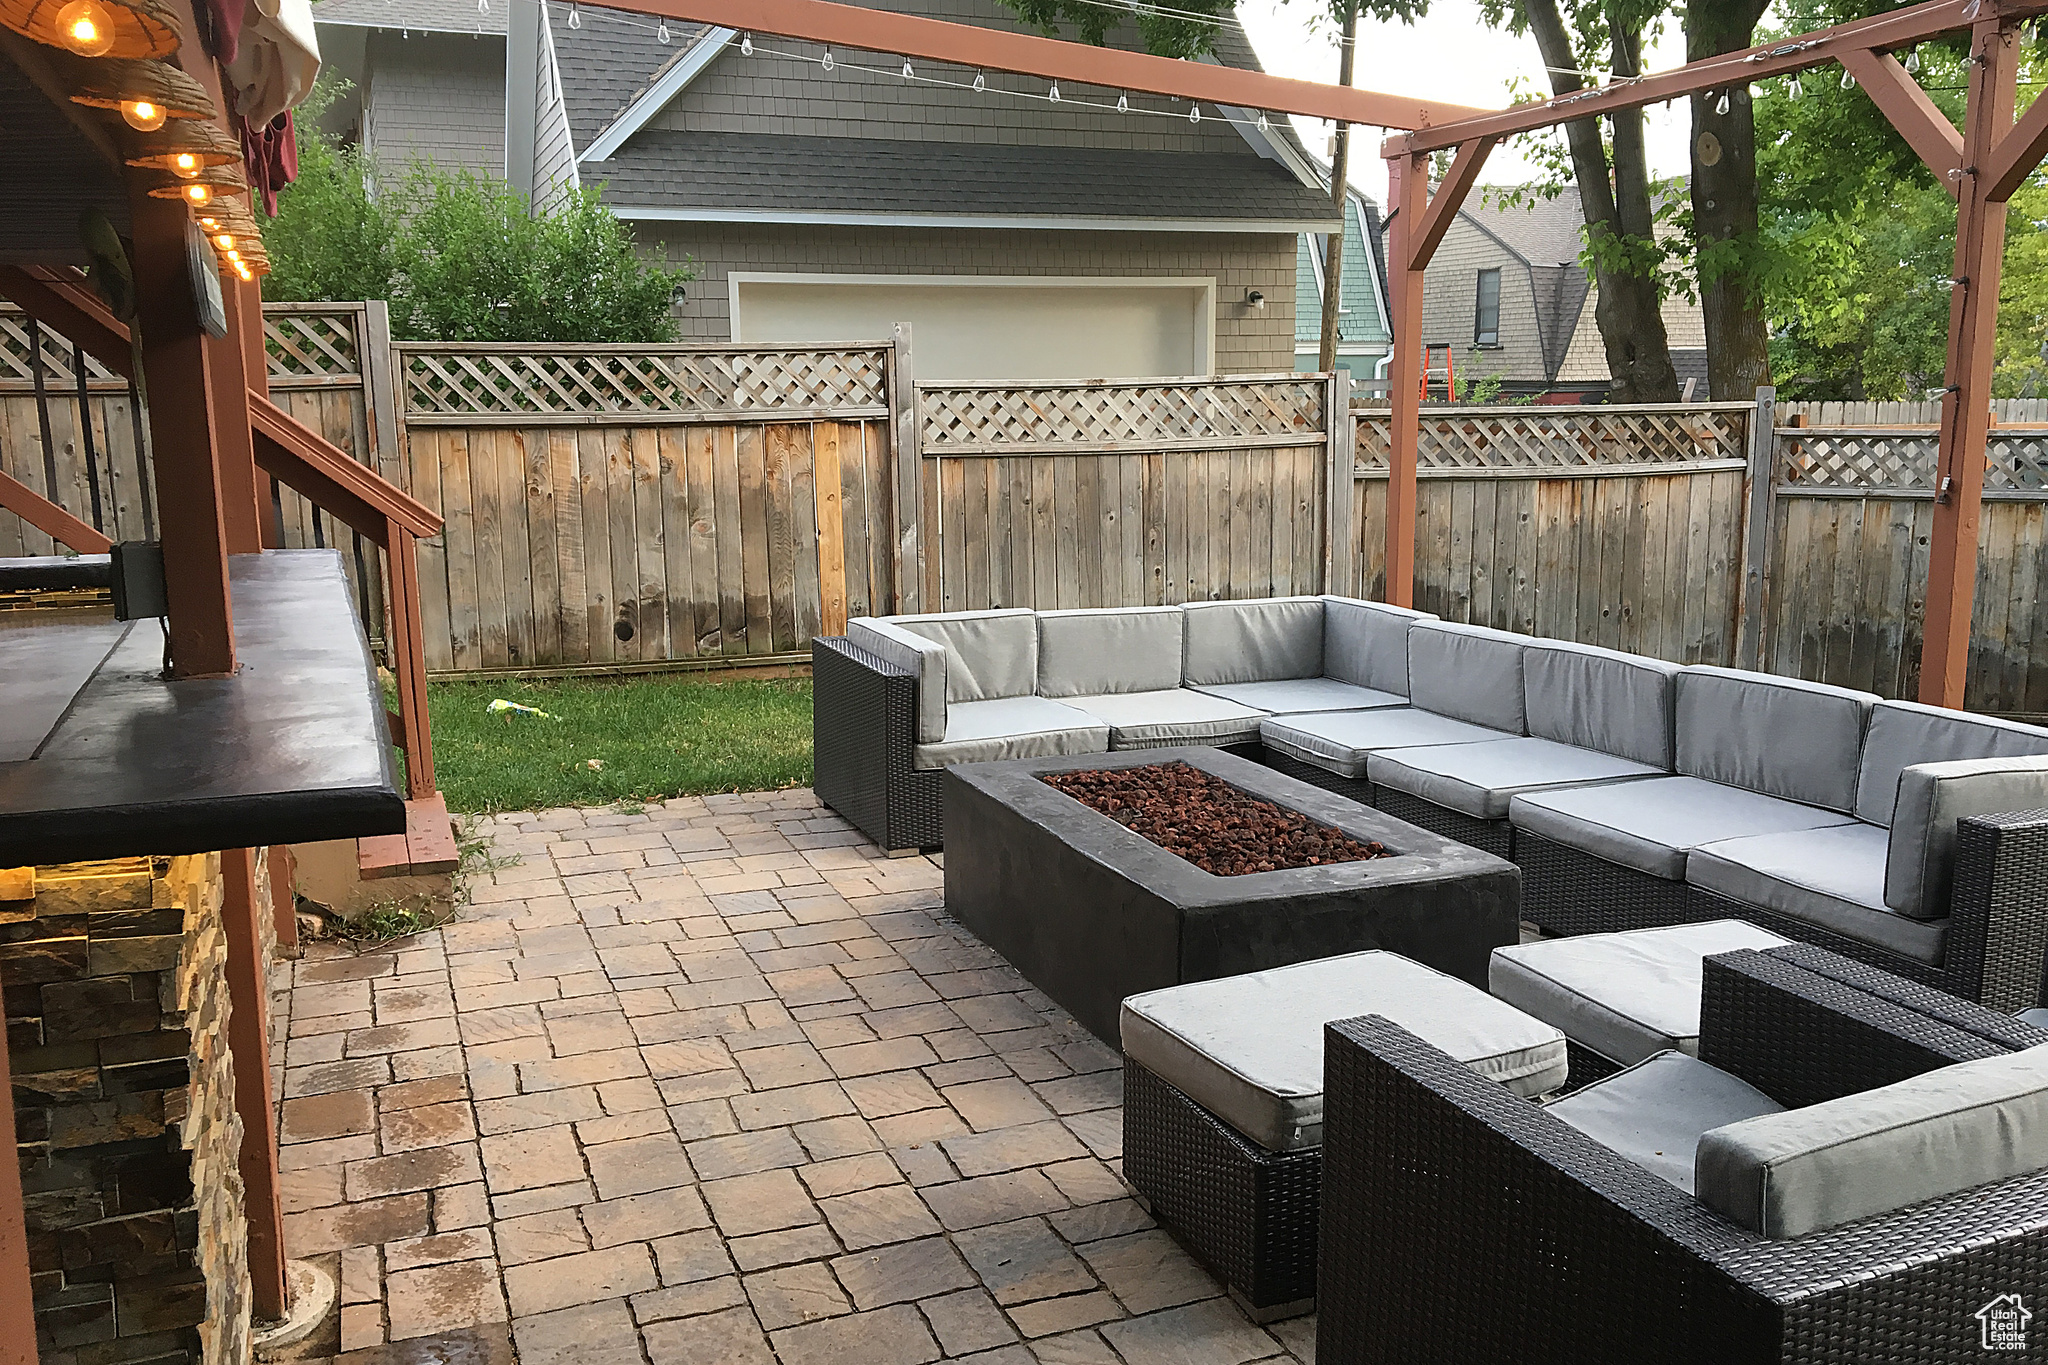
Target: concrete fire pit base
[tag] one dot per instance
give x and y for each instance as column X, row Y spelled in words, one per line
column 1090, row 912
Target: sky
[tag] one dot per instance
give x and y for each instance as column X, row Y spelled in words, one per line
column 1451, row 55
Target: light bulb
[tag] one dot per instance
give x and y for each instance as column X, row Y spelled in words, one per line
column 908, row 74
column 1913, row 62
column 1123, row 104
column 186, row 165
column 234, row 255
column 1721, row 105
column 225, row 241
column 1195, row 113
column 746, row 44
column 1054, row 93
column 1265, row 124
column 575, row 17
column 1973, row 9
column 483, row 6
column 210, row 223
column 86, row 28
column 199, row 193
column 980, row 82
column 825, row 62
column 661, row 34
column 1796, row 91
column 144, row 116
column 1848, row 81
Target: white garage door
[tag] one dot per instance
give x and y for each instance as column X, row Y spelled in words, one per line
column 993, row 328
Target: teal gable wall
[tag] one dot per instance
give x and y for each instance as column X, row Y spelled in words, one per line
column 1360, row 325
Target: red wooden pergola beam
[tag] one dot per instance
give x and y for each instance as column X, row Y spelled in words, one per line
column 1906, row 106
column 70, row 309
column 2016, row 154
column 303, row 459
column 47, row 517
column 904, row 35
column 1897, row 28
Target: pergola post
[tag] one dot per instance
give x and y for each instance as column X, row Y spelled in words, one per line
column 1407, row 195
column 242, row 500
column 249, row 1042
column 1972, row 335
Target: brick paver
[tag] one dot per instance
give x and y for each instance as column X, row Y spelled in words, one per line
column 717, row 1080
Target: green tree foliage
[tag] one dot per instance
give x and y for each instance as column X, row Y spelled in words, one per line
column 460, row 256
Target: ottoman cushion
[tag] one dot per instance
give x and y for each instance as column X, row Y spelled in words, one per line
column 1179, row 715
column 1249, row 1049
column 1627, row 996
column 1655, row 1112
column 1339, row 741
column 1292, row 696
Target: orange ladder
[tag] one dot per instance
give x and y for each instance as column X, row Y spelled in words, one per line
column 1429, row 371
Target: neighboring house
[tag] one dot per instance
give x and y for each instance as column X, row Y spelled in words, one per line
column 1362, row 320
column 1507, row 293
column 1021, row 237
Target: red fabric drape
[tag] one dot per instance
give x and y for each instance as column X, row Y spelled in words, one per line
column 272, row 157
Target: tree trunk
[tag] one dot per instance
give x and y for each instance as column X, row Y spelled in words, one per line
column 1724, row 206
column 1340, row 189
column 1617, row 205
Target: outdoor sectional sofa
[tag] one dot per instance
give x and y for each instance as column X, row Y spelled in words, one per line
column 1633, row 792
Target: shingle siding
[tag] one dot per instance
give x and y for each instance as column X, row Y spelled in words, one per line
column 437, row 97
column 1248, row 340
column 1451, row 295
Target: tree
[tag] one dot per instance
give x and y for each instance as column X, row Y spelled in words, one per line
column 1724, row 205
column 460, row 256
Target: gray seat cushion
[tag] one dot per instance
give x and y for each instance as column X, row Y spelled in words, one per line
column 1468, row 673
column 1123, row 649
column 2036, row 1016
column 1012, row 727
column 1255, row 641
column 1655, row 1112
column 1628, row 996
column 1798, row 741
column 1294, row 696
column 1622, row 704
column 1650, row 825
column 1903, row 733
column 1180, row 715
column 1249, row 1049
column 1920, row 866
column 1339, row 741
column 1805, row 1170
column 1831, row 878
column 989, row 654
column 1366, row 643
column 1480, row 779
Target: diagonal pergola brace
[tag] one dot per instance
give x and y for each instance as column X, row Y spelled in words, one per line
column 52, row 520
column 1449, row 197
column 2017, row 153
column 1908, row 109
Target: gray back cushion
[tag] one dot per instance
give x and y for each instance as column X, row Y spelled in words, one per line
column 1469, row 673
column 925, row 658
column 1622, row 704
column 1798, row 741
column 1256, row 641
column 1903, row 733
column 989, row 654
column 1366, row 643
column 1919, row 865
column 1942, row 1132
column 1090, row 653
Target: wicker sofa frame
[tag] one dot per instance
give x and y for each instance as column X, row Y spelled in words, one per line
column 1460, row 1223
column 1247, row 1214
column 1997, row 940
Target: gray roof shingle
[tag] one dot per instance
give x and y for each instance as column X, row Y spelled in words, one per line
column 421, row 16
column 609, row 60
column 737, row 171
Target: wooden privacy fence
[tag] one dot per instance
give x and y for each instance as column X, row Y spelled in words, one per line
column 1091, row 494
column 71, row 430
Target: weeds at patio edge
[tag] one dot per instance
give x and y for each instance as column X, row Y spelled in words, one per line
column 389, row 921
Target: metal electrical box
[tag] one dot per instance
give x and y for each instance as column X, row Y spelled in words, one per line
column 138, row 581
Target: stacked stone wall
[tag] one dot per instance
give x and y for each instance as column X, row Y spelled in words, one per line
column 117, row 1010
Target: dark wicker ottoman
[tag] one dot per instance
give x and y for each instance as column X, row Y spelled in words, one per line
column 1236, row 1174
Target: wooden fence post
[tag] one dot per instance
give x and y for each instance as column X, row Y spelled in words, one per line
column 909, row 551
column 380, row 392
column 1759, row 492
column 1340, row 552
column 828, row 498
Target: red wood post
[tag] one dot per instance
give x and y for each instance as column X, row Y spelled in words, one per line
column 409, row 659
column 17, row 1308
column 243, row 493
column 256, row 369
column 249, row 1038
column 283, row 871
column 1408, row 191
column 181, row 429
column 1966, row 407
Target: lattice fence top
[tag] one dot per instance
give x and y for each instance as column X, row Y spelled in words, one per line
column 1904, row 458
column 305, row 343
column 1562, row 438
column 987, row 419
column 17, row 367
column 651, row 384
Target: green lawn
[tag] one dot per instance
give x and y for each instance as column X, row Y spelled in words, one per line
column 618, row 739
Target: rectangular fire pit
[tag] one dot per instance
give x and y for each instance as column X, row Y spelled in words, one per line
column 1091, row 912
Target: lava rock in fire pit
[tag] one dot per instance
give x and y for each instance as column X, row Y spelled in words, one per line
column 1209, row 822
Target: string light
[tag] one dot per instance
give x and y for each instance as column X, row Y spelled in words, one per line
column 1054, row 93
column 186, row 165
column 908, row 74
column 1721, row 105
column 1973, row 9
column 980, row 82
column 86, row 28
column 483, row 6
column 199, row 193
column 575, row 17
column 144, row 116
column 661, row 35
column 1123, row 103
column 826, row 60
column 1796, row 91
column 1913, row 62
column 1265, row 124
column 1194, row 113
column 1848, row 81
column 225, row 241
column 746, row 44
